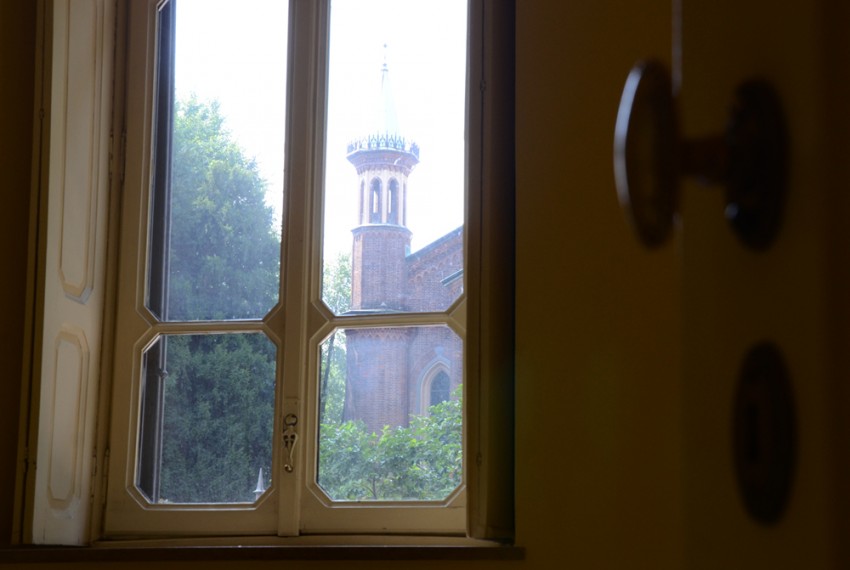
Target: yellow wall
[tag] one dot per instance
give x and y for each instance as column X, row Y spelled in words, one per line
column 608, row 451
column 598, row 336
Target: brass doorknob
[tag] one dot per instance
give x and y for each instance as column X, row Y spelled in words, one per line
column 650, row 157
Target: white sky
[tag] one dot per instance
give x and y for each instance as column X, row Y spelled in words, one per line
column 236, row 53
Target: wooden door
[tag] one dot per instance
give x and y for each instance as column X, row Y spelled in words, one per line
column 790, row 294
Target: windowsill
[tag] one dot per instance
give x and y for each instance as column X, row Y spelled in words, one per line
column 302, row 548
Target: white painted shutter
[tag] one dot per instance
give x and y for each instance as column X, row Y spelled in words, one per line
column 74, row 269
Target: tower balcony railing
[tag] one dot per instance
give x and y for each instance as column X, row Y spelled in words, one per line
column 383, row 142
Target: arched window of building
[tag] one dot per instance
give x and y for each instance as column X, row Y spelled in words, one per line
column 439, row 390
column 392, row 202
column 375, row 202
column 404, row 205
column 362, row 200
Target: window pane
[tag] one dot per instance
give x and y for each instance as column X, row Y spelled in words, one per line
column 440, row 389
column 394, row 176
column 218, row 164
column 379, row 438
column 207, row 418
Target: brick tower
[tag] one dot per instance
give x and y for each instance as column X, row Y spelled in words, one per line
column 384, row 160
column 377, row 390
column 393, row 372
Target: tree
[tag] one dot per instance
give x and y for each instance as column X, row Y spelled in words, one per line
column 336, row 293
column 224, row 260
column 423, row 461
column 219, row 409
column 336, row 283
column 224, row 245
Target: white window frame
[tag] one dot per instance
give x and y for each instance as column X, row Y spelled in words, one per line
column 489, row 382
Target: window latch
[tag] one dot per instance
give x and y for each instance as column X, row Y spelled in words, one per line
column 290, row 438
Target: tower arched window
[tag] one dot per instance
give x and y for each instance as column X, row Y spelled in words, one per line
column 439, row 390
column 392, row 202
column 362, row 199
column 375, row 202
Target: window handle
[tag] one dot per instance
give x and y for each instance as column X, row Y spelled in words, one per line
column 290, row 438
column 650, row 156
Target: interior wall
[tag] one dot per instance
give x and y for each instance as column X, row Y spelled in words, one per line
column 17, row 57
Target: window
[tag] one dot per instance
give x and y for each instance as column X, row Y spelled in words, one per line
column 375, row 202
column 392, row 202
column 362, row 199
column 230, row 378
column 239, row 362
column 439, row 389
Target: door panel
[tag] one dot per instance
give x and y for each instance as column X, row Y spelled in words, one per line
column 734, row 297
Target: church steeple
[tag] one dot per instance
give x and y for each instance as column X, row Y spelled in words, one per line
column 393, row 371
column 384, row 160
column 387, row 119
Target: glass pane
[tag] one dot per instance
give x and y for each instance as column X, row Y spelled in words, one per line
column 207, row 418
column 391, row 414
column 394, row 176
column 218, row 162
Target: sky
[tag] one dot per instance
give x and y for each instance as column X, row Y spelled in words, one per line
column 238, row 57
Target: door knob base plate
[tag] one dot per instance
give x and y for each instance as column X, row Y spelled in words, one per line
column 650, row 156
column 756, row 180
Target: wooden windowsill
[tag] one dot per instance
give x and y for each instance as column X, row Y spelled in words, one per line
column 159, row 551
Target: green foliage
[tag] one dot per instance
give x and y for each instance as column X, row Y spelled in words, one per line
column 420, row 462
column 332, row 376
column 224, row 245
column 219, row 405
column 224, row 260
column 336, row 293
column 336, row 284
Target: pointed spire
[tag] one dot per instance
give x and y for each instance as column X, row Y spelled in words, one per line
column 387, row 120
column 382, row 131
column 261, row 488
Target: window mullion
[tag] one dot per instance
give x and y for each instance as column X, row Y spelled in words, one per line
column 308, row 36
